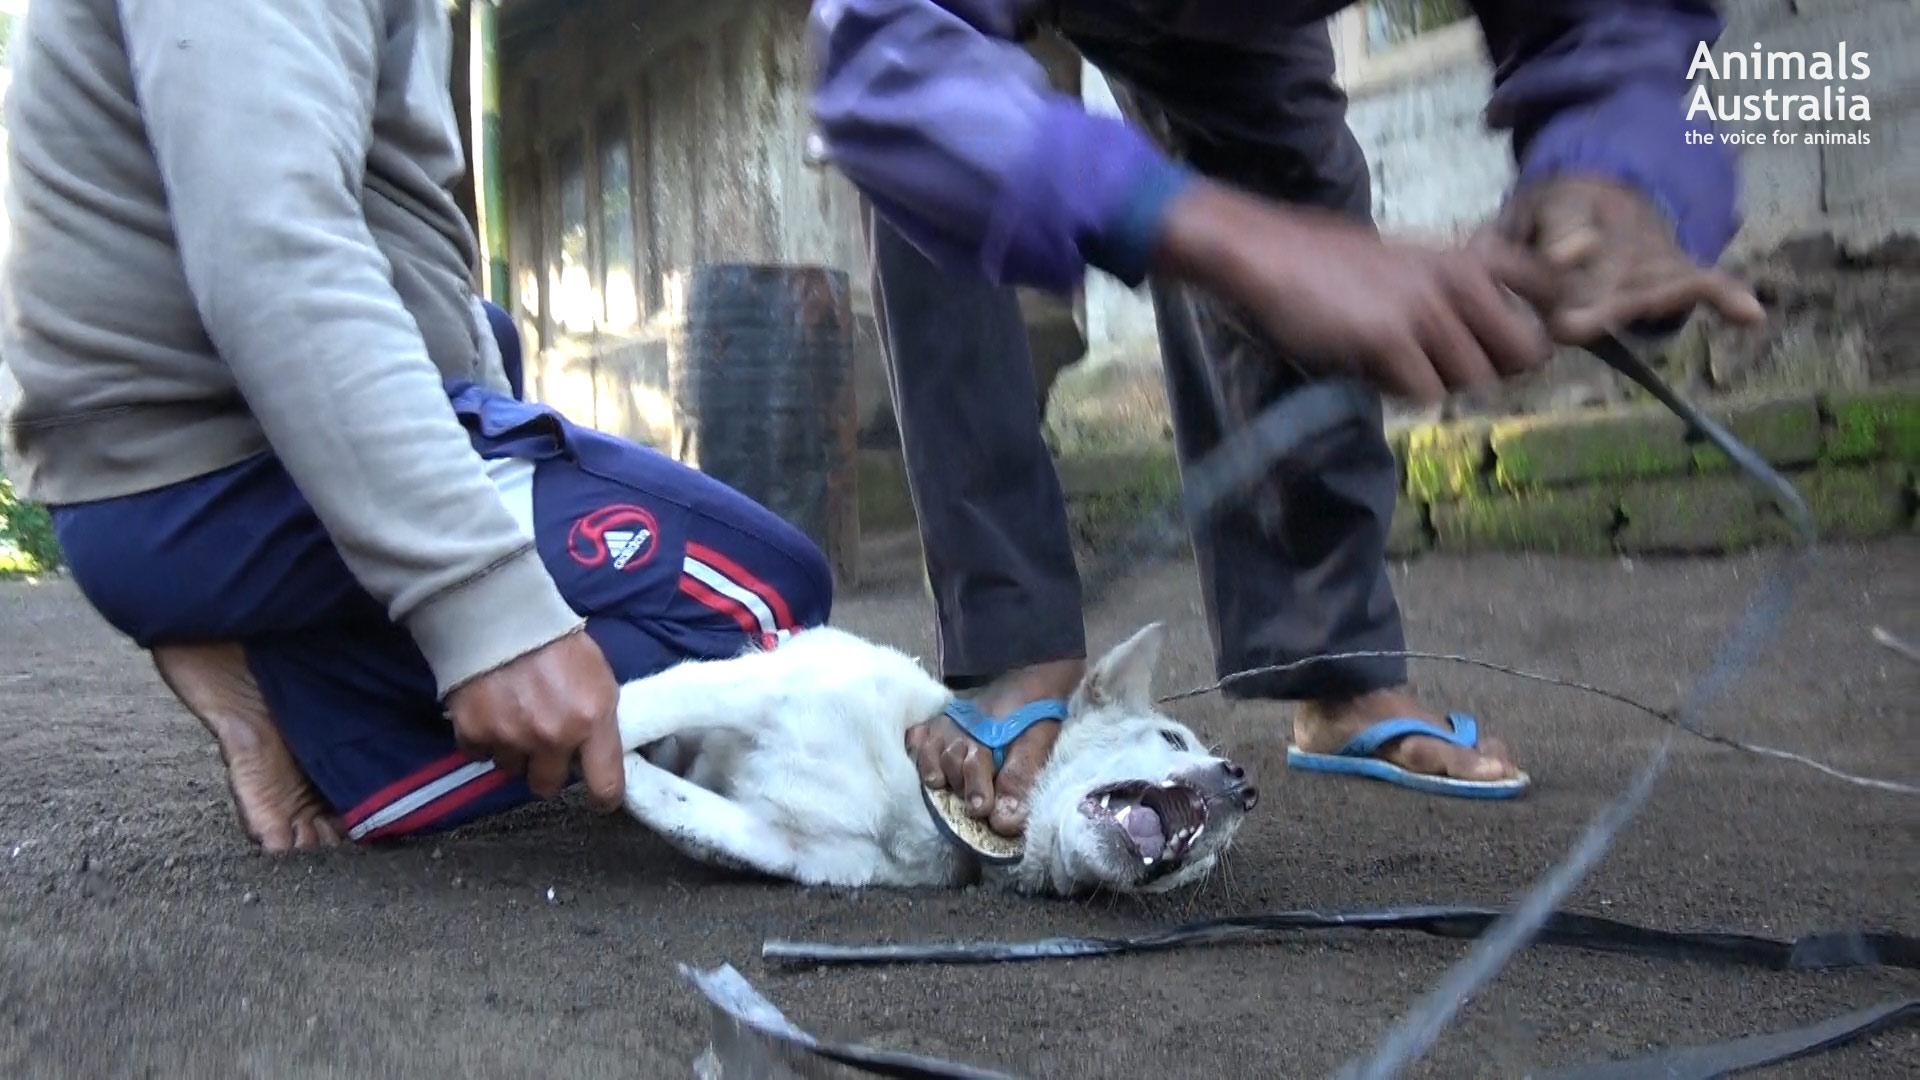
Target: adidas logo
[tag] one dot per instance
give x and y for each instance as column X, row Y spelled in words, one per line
column 625, row 545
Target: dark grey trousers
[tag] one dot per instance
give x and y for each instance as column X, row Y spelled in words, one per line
column 1296, row 571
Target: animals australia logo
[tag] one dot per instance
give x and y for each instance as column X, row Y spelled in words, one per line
column 1817, row 89
column 625, row 535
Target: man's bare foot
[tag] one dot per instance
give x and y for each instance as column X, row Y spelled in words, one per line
column 276, row 805
column 1323, row 727
column 948, row 758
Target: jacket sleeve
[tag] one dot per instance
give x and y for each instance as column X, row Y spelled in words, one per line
column 937, row 115
column 259, row 114
column 1599, row 88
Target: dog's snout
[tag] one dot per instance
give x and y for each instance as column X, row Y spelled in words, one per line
column 1225, row 782
column 1237, row 785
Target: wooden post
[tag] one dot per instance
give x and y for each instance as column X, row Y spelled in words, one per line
column 762, row 391
column 490, row 203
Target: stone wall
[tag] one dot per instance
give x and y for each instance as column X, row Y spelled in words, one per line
column 1435, row 168
column 1598, row 482
column 1831, row 234
column 1629, row 480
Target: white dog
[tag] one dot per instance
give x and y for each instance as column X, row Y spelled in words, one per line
column 791, row 762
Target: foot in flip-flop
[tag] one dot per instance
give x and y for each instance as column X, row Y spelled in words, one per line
column 1389, row 736
column 978, row 760
column 994, row 734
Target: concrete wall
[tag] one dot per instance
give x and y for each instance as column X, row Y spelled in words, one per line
column 1821, row 222
column 1436, row 168
column 1116, row 315
column 1864, row 194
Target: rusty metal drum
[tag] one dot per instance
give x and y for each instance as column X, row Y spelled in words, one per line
column 763, row 395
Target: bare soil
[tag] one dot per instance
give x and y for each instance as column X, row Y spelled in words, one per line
column 140, row 935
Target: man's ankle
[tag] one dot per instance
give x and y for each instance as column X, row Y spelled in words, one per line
column 1366, row 707
column 1034, row 682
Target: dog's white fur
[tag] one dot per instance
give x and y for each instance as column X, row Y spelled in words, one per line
column 791, row 762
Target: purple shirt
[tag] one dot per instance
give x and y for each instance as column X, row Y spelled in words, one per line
column 938, row 115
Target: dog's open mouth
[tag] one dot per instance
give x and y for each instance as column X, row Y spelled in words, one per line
column 1159, row 822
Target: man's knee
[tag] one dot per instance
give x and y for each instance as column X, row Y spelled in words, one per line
column 765, row 561
column 812, row 598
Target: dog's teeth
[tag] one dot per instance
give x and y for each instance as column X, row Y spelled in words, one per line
column 1125, row 812
column 1146, row 860
column 1104, row 800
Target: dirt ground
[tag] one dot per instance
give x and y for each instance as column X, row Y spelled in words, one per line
column 139, row 935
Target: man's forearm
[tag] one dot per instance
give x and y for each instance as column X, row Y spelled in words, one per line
column 1598, row 90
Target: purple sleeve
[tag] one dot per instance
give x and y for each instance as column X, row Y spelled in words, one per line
column 938, row 116
column 1600, row 89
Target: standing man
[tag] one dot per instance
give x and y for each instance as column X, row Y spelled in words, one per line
column 1248, row 210
column 245, row 367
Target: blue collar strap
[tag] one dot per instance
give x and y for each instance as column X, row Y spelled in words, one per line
column 997, row 733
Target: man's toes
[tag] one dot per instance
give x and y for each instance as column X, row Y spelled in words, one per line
column 1434, row 757
column 1480, row 767
column 1497, row 750
column 314, row 831
column 328, row 831
column 1465, row 764
column 1009, row 816
column 274, row 839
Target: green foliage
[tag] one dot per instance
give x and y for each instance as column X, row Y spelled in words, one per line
column 27, row 545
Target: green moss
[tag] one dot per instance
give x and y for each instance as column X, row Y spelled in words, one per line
column 1445, row 461
column 885, row 505
column 1109, row 494
column 1873, row 424
column 1784, row 431
column 1407, row 535
column 1695, row 515
column 1542, row 451
column 1576, row 521
column 1857, row 503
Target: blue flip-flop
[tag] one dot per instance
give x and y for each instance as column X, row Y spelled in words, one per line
column 1359, row 758
column 995, row 733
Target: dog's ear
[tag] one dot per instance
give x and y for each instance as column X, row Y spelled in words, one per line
column 1124, row 677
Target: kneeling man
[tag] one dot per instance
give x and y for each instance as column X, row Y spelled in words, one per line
column 245, row 367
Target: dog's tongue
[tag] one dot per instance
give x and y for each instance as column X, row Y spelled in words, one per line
column 1143, row 828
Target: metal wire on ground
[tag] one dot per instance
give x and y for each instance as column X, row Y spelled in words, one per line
column 1249, row 455
column 1664, row 716
column 1408, row 1040
column 1498, row 935
column 1596, row 933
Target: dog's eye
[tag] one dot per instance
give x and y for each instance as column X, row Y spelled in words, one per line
column 1174, row 739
